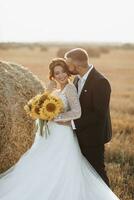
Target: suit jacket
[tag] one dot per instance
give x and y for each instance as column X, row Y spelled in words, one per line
column 93, row 128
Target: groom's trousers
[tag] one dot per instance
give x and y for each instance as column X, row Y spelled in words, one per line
column 95, row 155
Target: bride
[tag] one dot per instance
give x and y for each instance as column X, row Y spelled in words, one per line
column 54, row 167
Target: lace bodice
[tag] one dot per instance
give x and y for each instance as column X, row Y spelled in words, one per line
column 72, row 108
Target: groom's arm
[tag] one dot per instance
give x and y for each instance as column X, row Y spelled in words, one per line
column 101, row 98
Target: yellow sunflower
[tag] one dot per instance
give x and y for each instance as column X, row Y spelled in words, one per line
column 44, row 106
column 27, row 109
column 34, row 100
column 34, row 113
column 51, row 108
column 32, row 107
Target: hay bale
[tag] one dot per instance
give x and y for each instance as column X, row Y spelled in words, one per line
column 17, row 130
column 104, row 49
column 93, row 52
column 61, row 52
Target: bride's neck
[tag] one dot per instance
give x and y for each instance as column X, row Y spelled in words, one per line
column 62, row 86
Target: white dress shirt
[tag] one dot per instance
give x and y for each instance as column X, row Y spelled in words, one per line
column 81, row 83
column 83, row 79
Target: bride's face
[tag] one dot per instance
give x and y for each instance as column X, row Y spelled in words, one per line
column 60, row 75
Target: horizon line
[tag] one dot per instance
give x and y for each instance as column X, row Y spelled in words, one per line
column 67, row 42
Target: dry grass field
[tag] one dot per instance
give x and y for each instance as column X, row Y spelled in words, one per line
column 115, row 62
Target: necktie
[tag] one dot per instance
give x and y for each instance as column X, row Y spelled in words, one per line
column 77, row 84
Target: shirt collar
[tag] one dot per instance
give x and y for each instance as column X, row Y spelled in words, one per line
column 84, row 77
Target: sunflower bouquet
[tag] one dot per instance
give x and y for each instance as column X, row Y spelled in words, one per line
column 44, row 107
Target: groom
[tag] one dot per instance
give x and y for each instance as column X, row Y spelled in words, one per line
column 93, row 128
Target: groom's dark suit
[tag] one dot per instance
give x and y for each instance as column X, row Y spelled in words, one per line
column 93, row 128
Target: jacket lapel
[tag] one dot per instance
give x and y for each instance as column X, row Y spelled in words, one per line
column 87, row 83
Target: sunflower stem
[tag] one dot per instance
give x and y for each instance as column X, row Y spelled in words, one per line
column 47, row 132
column 41, row 124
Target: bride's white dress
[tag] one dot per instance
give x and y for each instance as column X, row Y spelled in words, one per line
column 54, row 167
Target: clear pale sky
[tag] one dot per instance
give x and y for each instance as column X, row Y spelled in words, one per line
column 67, row 20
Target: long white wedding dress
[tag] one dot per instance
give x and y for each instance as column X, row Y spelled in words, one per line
column 54, row 167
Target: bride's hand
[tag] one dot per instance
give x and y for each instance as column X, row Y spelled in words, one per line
column 51, row 85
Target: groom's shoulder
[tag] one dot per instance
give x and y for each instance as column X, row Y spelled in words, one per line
column 100, row 80
column 100, row 76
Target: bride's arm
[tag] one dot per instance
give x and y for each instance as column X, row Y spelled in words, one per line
column 74, row 104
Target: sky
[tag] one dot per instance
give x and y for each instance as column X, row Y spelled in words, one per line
column 67, row 21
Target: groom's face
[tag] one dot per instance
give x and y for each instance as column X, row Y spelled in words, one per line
column 72, row 66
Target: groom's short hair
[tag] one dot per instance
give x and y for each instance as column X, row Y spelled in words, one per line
column 77, row 54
